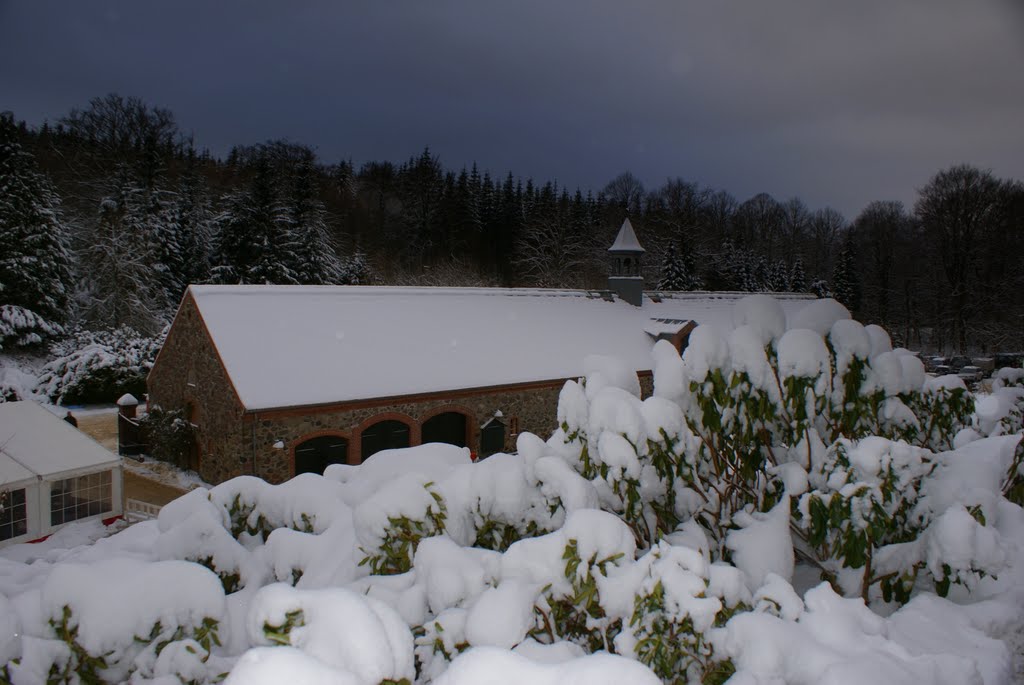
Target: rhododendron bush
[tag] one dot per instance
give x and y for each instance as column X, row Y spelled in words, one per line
column 796, row 503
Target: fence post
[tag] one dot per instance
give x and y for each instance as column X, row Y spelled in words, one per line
column 127, row 426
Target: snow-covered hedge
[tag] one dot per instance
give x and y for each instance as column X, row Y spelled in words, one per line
column 94, row 367
column 21, row 327
column 682, row 538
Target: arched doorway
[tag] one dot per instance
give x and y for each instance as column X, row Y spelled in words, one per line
column 315, row 454
column 449, row 427
column 384, row 435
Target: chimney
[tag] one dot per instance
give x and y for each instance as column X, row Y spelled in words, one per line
column 625, row 279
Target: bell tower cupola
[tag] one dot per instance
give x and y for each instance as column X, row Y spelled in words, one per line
column 625, row 279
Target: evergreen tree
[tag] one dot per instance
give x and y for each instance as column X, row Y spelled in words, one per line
column 678, row 271
column 757, row 273
column 194, row 220
column 797, row 277
column 845, row 281
column 421, row 191
column 673, row 274
column 35, row 262
column 152, row 226
column 777, row 277
column 254, row 240
column 117, row 257
column 316, row 262
column 355, row 270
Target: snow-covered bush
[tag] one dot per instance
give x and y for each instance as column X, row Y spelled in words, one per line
column 168, row 435
column 112, row 618
column 862, row 497
column 392, row 526
column 680, row 537
column 99, row 366
column 21, row 327
column 17, row 382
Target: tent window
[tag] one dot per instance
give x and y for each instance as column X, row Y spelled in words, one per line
column 78, row 498
column 13, row 514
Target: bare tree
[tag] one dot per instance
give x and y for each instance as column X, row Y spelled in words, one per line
column 758, row 224
column 796, row 220
column 957, row 208
column 625, row 190
column 550, row 253
column 879, row 229
column 823, row 234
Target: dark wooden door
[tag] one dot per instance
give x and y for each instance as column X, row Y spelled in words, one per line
column 384, row 435
column 316, row 454
column 449, row 427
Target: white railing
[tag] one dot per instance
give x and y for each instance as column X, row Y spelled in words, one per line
column 137, row 510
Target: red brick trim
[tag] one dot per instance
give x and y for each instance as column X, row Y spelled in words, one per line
column 318, row 434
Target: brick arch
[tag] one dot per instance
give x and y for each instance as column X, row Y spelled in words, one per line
column 355, row 453
column 292, row 444
column 472, row 429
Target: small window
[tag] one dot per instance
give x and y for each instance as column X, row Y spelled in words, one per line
column 13, row 514
column 492, row 437
column 72, row 499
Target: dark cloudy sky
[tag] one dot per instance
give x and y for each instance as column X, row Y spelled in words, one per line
column 837, row 102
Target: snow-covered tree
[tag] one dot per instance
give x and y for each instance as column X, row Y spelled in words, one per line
column 845, row 282
column 316, row 261
column 35, row 262
column 777, row 277
column 756, row 273
column 355, row 270
column 120, row 285
column 678, row 271
column 254, row 243
column 194, row 220
column 798, row 277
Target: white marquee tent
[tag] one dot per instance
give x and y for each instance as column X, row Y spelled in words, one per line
column 51, row 474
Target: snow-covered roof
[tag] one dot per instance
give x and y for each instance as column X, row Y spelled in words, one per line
column 288, row 346
column 626, row 240
column 34, row 442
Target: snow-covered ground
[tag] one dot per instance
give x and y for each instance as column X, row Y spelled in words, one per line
column 543, row 566
column 165, row 473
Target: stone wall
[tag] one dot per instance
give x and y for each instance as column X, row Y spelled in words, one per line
column 189, row 375
column 531, row 409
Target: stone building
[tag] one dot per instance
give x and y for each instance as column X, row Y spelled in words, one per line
column 281, row 380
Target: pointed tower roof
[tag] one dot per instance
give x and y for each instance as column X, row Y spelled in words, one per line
column 626, row 240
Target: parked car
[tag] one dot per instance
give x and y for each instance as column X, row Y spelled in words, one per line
column 1011, row 359
column 957, row 363
column 971, row 374
column 986, row 364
